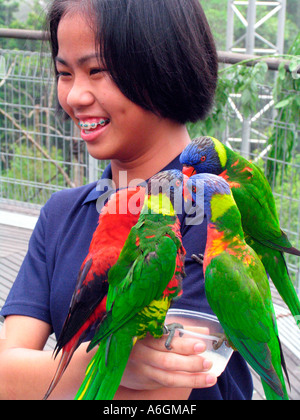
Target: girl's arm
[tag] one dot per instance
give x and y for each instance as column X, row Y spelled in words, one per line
column 152, row 372
column 26, row 370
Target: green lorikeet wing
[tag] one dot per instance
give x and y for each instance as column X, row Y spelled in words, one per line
column 254, row 198
column 275, row 265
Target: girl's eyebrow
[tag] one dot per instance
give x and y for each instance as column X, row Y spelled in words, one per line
column 80, row 61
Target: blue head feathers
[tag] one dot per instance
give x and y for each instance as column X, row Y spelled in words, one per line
column 210, row 184
column 203, row 187
column 205, row 155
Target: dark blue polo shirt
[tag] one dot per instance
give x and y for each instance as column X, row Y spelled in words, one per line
column 57, row 248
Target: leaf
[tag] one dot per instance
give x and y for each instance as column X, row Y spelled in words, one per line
column 246, row 97
column 293, row 66
column 283, row 103
column 281, row 71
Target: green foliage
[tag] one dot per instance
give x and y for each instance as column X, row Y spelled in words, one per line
column 7, row 11
column 34, row 21
column 247, row 81
column 237, row 79
column 287, row 101
column 29, row 167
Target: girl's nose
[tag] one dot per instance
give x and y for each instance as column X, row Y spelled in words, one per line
column 80, row 95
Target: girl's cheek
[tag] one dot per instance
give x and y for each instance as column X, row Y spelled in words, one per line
column 62, row 95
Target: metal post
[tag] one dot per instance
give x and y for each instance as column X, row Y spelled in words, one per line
column 250, row 34
column 93, row 169
column 237, row 10
column 281, row 26
column 246, row 130
column 230, row 25
column 250, row 45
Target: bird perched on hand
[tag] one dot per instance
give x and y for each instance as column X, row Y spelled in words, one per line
column 88, row 304
column 255, row 201
column 142, row 285
column 237, row 287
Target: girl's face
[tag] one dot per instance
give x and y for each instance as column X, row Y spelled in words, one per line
column 112, row 126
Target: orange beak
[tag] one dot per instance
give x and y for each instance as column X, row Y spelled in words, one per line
column 185, row 191
column 188, row 171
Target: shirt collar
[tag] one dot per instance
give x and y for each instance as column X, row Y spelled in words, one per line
column 96, row 192
column 104, row 185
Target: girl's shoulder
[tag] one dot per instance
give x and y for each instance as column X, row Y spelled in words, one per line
column 69, row 198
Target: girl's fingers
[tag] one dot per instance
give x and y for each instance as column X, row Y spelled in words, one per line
column 171, row 379
column 171, row 360
column 180, row 345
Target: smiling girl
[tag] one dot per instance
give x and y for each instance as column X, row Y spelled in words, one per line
column 130, row 74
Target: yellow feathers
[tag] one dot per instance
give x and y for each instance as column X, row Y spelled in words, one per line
column 220, row 204
column 159, row 204
column 220, row 149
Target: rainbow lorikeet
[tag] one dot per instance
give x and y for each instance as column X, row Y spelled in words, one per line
column 142, row 284
column 88, row 304
column 237, row 287
column 255, row 201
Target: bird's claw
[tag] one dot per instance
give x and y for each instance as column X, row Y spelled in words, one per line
column 198, row 258
column 170, row 329
column 222, row 339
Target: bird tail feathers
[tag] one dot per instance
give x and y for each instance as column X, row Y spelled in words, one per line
column 62, row 366
column 272, row 380
column 104, row 372
column 272, row 395
column 281, row 244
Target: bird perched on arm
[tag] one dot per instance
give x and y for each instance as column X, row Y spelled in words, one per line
column 142, row 285
column 255, row 201
column 237, row 287
column 88, row 304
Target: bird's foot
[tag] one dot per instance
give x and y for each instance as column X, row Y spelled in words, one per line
column 170, row 329
column 198, row 258
column 222, row 339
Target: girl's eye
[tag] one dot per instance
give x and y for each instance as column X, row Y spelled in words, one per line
column 97, row 71
column 62, row 74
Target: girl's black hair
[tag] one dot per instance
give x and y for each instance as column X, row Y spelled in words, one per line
column 160, row 53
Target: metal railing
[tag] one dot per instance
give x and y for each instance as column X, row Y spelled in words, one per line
column 225, row 57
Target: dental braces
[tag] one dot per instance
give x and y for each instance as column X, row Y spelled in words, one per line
column 88, row 126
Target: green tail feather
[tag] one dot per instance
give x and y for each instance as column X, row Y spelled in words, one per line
column 275, row 265
column 272, row 378
column 89, row 383
column 105, row 371
column 272, row 395
column 281, row 244
column 285, row 288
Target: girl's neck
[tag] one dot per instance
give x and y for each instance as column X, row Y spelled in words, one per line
column 166, row 147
